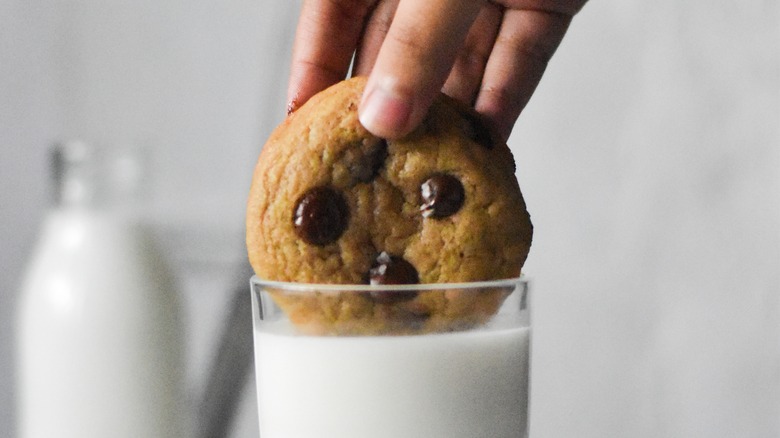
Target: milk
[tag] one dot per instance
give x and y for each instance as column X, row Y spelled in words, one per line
column 99, row 336
column 455, row 385
column 99, row 328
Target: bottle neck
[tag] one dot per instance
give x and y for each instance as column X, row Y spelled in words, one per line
column 86, row 177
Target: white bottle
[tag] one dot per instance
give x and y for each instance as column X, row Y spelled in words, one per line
column 100, row 346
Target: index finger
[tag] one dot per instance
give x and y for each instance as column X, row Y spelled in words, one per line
column 325, row 40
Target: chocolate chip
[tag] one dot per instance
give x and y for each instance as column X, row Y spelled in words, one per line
column 320, row 216
column 389, row 269
column 392, row 270
column 368, row 166
column 442, row 196
column 479, row 131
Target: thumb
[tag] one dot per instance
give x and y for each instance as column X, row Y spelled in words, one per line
column 414, row 62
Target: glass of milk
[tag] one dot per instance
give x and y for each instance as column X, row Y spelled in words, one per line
column 459, row 379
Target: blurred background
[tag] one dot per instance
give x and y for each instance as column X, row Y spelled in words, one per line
column 649, row 158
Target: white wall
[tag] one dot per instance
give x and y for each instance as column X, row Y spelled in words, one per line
column 30, row 116
column 650, row 160
column 648, row 157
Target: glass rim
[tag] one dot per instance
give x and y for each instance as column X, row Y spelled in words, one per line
column 332, row 287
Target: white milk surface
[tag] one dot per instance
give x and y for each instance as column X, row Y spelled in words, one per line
column 454, row 385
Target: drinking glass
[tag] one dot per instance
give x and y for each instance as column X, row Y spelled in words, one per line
column 366, row 361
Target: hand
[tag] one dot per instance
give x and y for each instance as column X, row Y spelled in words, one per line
column 490, row 54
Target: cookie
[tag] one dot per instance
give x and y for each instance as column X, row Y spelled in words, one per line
column 332, row 203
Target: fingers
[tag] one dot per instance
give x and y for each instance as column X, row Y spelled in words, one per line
column 464, row 80
column 325, row 40
column 525, row 43
column 476, row 51
column 564, row 7
column 414, row 62
column 374, row 34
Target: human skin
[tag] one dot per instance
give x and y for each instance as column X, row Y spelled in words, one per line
column 489, row 54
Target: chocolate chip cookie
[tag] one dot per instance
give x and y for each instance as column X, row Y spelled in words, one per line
column 331, row 203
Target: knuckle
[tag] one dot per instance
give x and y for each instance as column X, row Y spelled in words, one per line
column 503, row 100
column 406, row 39
column 350, row 10
column 563, row 7
column 470, row 64
column 320, row 68
column 473, row 55
column 539, row 50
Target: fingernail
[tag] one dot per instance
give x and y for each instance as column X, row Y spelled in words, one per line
column 384, row 111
